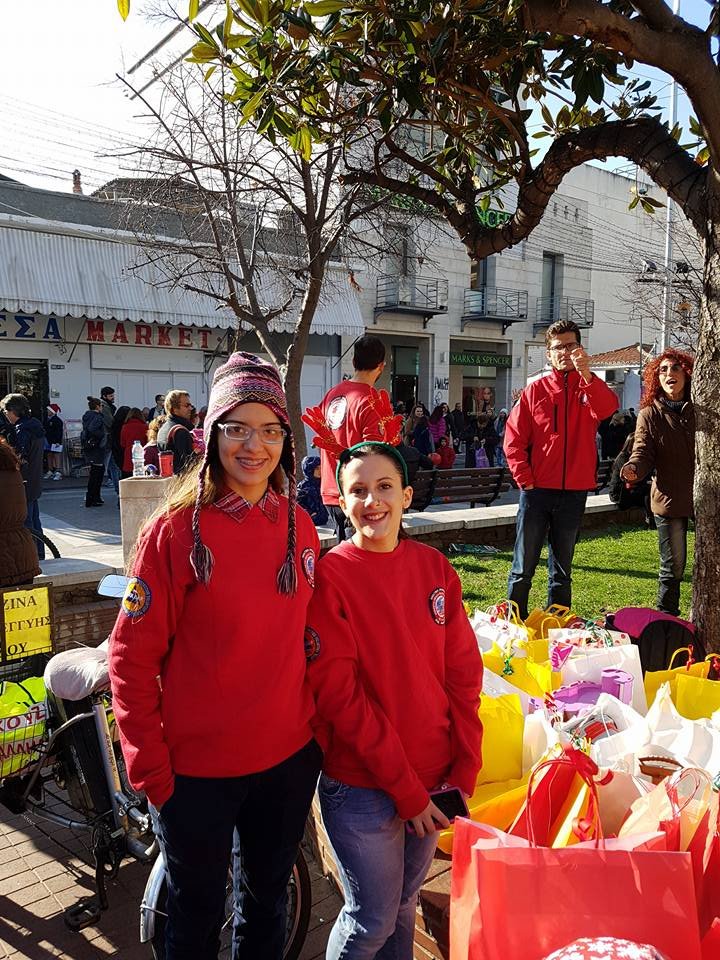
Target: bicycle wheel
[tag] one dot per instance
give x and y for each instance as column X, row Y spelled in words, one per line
column 49, row 545
column 298, row 915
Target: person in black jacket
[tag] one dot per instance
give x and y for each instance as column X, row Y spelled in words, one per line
column 629, row 497
column 54, row 442
column 29, row 443
column 175, row 434
column 93, row 441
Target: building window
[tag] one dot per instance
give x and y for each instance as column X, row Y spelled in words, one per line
column 397, row 249
column 551, row 286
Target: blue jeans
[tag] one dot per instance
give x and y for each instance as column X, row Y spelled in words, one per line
column 382, row 868
column 557, row 515
column 259, row 819
column 113, row 472
column 32, row 522
column 672, row 540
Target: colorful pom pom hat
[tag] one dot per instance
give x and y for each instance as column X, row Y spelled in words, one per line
column 246, row 378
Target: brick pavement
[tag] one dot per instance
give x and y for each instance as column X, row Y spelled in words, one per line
column 44, row 869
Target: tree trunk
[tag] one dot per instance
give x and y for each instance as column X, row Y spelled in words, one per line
column 296, row 355
column 706, row 397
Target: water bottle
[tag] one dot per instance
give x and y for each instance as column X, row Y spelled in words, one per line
column 138, row 459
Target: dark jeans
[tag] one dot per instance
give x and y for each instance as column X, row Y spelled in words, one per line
column 259, row 819
column 672, row 540
column 342, row 525
column 32, row 522
column 557, row 515
column 95, row 479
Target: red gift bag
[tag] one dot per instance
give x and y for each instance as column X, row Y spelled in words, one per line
column 519, row 902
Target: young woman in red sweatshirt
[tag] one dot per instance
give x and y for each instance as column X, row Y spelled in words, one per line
column 396, row 673
column 216, row 609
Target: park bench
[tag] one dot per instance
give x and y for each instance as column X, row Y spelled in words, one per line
column 473, row 485
column 603, row 474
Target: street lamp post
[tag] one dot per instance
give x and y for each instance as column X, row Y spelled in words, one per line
column 667, row 288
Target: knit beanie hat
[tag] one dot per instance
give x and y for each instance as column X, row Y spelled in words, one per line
column 246, row 378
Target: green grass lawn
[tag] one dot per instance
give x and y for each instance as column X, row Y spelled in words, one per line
column 614, row 567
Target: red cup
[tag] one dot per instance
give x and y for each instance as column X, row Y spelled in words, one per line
column 166, row 464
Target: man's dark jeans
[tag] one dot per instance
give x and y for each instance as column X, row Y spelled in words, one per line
column 672, row 540
column 342, row 525
column 557, row 515
column 259, row 819
column 32, row 522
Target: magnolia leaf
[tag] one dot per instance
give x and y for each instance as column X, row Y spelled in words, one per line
column 124, row 8
column 634, row 202
column 301, row 142
column 323, row 8
column 193, row 9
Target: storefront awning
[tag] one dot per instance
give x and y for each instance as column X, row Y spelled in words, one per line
column 47, row 267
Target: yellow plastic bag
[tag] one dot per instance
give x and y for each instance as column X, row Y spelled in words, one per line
column 696, row 697
column 536, row 679
column 654, row 679
column 502, row 748
column 494, row 803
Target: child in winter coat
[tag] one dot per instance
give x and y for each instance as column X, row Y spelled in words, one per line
column 446, row 453
column 396, row 673
column 308, row 492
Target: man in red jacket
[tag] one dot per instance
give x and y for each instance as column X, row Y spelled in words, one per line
column 351, row 417
column 551, row 452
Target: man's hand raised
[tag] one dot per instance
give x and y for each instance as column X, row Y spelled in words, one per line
column 581, row 362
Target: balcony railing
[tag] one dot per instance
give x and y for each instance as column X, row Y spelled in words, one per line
column 425, row 296
column 495, row 303
column 551, row 309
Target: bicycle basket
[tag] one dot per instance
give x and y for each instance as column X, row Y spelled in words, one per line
column 23, row 717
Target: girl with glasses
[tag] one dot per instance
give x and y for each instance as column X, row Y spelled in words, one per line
column 396, row 673
column 216, row 609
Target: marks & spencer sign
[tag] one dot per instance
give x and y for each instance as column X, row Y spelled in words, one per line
column 467, row 358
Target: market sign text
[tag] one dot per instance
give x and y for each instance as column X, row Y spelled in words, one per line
column 21, row 326
column 467, row 359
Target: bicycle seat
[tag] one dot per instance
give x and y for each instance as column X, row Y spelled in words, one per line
column 74, row 674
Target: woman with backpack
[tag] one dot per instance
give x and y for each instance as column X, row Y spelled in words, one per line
column 92, row 442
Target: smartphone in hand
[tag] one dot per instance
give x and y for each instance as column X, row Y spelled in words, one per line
column 451, row 801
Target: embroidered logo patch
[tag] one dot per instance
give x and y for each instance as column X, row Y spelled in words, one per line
column 336, row 413
column 308, row 565
column 437, row 606
column 312, row 644
column 137, row 598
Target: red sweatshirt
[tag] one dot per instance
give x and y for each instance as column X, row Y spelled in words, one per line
column 131, row 431
column 351, row 418
column 233, row 697
column 396, row 673
column 550, row 433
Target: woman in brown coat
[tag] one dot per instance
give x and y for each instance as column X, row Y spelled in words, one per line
column 18, row 556
column 665, row 443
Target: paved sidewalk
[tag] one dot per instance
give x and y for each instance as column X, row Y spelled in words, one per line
column 44, row 869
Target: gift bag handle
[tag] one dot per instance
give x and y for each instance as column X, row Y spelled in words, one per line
column 700, row 778
column 687, row 650
column 584, row 828
column 556, row 609
column 546, row 625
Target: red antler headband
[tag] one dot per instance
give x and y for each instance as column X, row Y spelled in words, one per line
column 390, row 424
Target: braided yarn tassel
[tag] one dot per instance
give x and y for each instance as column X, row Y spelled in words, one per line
column 201, row 558
column 287, row 574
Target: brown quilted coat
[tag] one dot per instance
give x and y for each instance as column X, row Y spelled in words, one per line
column 18, row 557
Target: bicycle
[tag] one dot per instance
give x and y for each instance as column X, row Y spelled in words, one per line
column 49, row 545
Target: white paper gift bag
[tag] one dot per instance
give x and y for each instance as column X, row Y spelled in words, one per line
column 588, row 663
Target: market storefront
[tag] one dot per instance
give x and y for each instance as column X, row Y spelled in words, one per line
column 479, row 378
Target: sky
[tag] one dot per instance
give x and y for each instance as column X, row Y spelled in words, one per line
column 61, row 107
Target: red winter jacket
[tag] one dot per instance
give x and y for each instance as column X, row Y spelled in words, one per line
column 550, row 433
column 352, row 418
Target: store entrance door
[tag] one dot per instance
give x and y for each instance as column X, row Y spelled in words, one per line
column 404, row 380
column 30, row 379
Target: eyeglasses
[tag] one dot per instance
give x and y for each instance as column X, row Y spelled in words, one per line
column 241, row 433
column 672, row 368
column 564, row 347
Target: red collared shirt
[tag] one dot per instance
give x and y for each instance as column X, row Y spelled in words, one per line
column 238, row 507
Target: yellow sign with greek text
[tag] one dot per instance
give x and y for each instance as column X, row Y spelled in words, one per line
column 27, row 623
